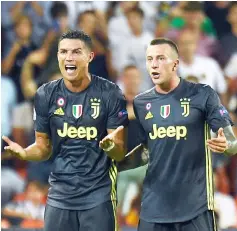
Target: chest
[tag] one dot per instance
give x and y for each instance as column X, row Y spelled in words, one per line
column 170, row 114
column 87, row 109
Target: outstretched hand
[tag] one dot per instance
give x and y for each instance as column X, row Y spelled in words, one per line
column 14, row 149
column 218, row 144
column 109, row 141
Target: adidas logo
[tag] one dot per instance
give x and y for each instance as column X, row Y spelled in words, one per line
column 148, row 116
column 59, row 111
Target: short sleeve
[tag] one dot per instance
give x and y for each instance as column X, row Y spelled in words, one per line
column 216, row 114
column 118, row 114
column 40, row 117
column 142, row 137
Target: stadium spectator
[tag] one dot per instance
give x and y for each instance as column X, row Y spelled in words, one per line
column 206, row 69
column 118, row 33
column 79, row 7
column 15, row 57
column 43, row 57
column 193, row 18
column 30, row 205
column 86, row 21
column 38, row 13
column 228, row 42
column 225, row 208
column 11, row 182
column 136, row 45
column 217, row 12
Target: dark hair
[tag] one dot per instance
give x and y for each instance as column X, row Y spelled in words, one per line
column 160, row 41
column 193, row 6
column 58, row 9
column 77, row 34
column 136, row 10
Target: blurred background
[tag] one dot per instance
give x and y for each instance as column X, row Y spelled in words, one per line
column 206, row 34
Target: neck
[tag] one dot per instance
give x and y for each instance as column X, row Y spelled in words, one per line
column 78, row 85
column 167, row 87
column 137, row 32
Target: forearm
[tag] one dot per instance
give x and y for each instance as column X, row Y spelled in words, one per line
column 38, row 9
column 8, row 62
column 27, row 83
column 16, row 10
column 11, row 213
column 232, row 141
column 38, row 152
column 129, row 158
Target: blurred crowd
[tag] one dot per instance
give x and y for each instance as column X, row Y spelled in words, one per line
column 206, row 35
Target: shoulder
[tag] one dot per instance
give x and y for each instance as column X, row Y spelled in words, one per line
column 144, row 95
column 48, row 88
column 104, row 84
column 199, row 88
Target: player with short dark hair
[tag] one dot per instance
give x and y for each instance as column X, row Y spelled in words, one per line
column 175, row 121
column 78, row 119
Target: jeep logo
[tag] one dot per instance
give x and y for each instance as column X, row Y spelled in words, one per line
column 80, row 132
column 172, row 131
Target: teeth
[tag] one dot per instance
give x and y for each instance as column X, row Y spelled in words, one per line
column 70, row 66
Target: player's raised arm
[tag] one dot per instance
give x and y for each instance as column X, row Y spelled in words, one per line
column 38, row 151
column 115, row 143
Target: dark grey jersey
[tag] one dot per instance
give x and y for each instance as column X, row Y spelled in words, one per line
column 179, row 183
column 82, row 176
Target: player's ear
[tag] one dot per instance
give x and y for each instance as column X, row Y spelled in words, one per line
column 91, row 56
column 176, row 64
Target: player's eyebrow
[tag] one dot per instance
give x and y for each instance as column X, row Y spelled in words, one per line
column 64, row 49
column 157, row 56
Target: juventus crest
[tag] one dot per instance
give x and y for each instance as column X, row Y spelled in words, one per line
column 95, row 107
column 185, row 104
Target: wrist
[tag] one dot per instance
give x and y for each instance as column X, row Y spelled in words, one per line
column 110, row 147
column 231, row 148
column 23, row 156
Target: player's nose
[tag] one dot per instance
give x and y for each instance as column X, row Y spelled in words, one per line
column 69, row 57
column 154, row 64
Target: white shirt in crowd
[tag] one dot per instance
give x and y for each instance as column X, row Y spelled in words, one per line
column 207, row 71
column 136, row 55
column 231, row 67
column 77, row 7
